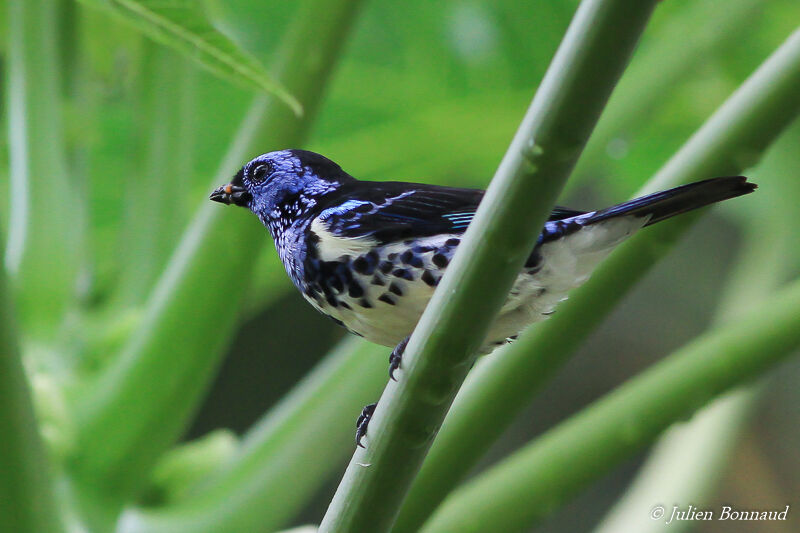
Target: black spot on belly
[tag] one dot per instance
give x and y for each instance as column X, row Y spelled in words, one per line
column 356, row 291
column 410, row 258
column 440, row 260
column 429, row 278
column 332, row 277
column 365, row 303
column 377, row 280
column 333, row 302
column 364, row 208
column 392, row 257
column 336, row 283
column 452, row 242
column 364, row 265
column 345, row 305
column 403, row 273
column 422, row 249
column 386, row 267
column 395, row 288
column 386, row 298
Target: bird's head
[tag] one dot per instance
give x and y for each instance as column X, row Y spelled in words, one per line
column 279, row 184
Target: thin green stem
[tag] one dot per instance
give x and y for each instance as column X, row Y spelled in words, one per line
column 156, row 383
column 286, row 457
column 729, row 142
column 534, row 481
column 586, row 67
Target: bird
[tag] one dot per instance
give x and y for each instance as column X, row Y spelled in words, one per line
column 370, row 254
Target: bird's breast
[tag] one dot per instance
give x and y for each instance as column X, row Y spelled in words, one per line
column 377, row 291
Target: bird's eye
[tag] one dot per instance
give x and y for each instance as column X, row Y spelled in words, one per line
column 261, row 173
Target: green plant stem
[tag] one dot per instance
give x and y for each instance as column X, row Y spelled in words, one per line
column 586, row 67
column 285, row 458
column 26, row 494
column 142, row 402
column 534, row 481
column 728, row 143
column 154, row 221
column 44, row 219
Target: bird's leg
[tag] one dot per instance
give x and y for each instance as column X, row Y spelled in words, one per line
column 397, row 356
column 366, row 412
column 363, row 422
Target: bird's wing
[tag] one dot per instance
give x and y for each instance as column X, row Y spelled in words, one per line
column 395, row 211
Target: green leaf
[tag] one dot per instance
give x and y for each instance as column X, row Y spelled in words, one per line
column 182, row 25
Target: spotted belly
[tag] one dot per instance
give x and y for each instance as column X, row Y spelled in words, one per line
column 381, row 293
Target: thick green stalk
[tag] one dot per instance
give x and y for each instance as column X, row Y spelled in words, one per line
column 586, row 67
column 286, row 457
column 728, row 143
column 154, row 221
column 44, row 224
column 26, row 493
column 534, row 481
column 142, row 402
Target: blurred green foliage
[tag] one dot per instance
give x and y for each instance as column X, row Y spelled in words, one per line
column 424, row 91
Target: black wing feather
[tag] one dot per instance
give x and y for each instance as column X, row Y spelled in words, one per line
column 400, row 210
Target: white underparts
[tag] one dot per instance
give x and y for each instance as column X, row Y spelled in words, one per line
column 565, row 264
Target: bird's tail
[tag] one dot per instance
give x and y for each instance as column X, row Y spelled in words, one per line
column 663, row 205
column 570, row 248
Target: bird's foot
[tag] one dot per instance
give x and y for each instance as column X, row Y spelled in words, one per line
column 396, row 357
column 363, row 422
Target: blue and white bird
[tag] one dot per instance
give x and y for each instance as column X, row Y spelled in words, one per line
column 370, row 254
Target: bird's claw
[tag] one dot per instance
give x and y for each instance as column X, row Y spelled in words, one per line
column 363, row 422
column 396, row 357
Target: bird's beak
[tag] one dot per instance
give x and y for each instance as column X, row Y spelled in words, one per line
column 231, row 194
